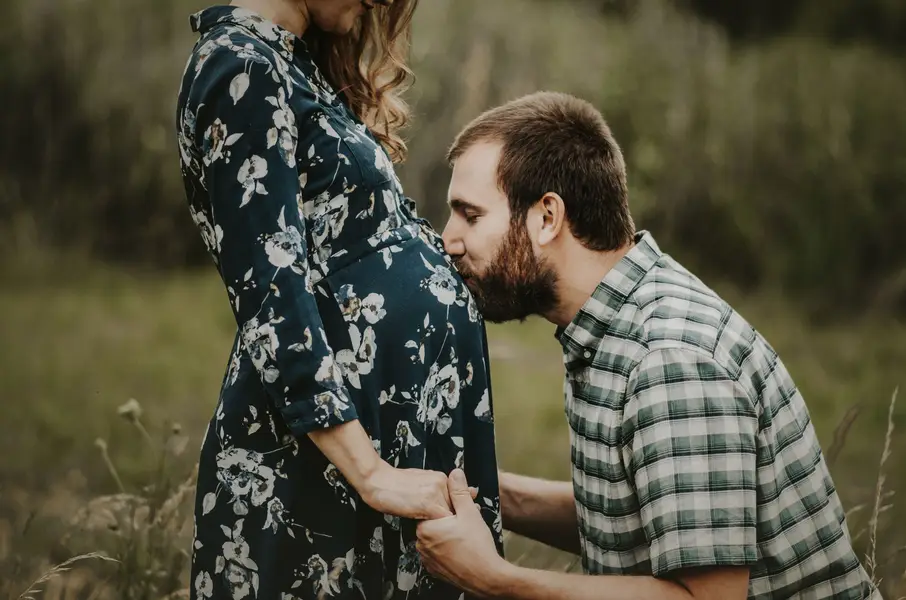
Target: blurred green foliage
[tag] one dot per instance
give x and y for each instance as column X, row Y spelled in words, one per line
column 777, row 165
column 881, row 23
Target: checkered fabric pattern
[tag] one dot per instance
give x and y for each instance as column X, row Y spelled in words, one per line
column 691, row 445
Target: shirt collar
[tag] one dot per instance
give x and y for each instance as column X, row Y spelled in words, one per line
column 282, row 40
column 581, row 336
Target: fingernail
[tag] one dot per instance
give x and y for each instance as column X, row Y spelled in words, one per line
column 458, row 477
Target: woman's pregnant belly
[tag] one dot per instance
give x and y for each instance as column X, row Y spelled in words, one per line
column 409, row 341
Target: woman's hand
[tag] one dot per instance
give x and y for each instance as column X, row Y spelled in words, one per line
column 408, row 493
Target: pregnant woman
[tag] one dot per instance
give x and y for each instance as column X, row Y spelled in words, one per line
column 359, row 375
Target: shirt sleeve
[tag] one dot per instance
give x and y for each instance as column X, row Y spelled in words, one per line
column 689, row 446
column 248, row 137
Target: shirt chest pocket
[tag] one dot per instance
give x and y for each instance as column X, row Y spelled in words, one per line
column 594, row 407
column 363, row 162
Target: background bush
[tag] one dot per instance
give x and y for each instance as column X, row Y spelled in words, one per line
column 779, row 163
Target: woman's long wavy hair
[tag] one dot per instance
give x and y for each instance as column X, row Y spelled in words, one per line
column 370, row 67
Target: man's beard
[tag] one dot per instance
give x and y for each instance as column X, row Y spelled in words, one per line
column 516, row 284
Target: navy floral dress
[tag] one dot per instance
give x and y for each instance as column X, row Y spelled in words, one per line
column 347, row 308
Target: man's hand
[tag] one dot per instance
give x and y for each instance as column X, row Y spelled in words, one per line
column 461, row 549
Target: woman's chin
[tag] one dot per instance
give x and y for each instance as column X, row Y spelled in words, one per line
column 343, row 25
column 343, row 29
column 348, row 22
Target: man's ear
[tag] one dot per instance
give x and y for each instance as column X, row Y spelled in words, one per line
column 551, row 212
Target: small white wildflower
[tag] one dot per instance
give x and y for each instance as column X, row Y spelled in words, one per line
column 131, row 410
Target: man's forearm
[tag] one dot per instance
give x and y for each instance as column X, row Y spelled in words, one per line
column 519, row 583
column 544, row 511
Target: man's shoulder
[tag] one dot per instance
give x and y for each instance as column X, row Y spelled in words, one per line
column 673, row 303
column 669, row 308
column 675, row 310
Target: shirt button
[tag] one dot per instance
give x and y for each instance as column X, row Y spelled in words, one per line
column 587, row 354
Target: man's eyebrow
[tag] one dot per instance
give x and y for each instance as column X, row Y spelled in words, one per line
column 462, row 205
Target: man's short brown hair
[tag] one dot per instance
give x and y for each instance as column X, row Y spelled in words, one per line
column 554, row 142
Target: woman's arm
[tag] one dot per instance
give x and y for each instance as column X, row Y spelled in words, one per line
column 412, row 493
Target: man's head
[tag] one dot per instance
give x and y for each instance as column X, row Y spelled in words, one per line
column 534, row 180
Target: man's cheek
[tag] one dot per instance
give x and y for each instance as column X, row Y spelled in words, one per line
column 477, row 261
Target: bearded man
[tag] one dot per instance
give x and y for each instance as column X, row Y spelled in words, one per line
column 696, row 470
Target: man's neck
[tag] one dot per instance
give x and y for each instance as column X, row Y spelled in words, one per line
column 291, row 15
column 579, row 275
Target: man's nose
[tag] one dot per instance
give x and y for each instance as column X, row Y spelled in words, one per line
column 452, row 241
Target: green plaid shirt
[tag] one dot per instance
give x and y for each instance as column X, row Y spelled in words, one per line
column 691, row 445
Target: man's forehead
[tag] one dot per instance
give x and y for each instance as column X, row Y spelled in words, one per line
column 475, row 175
column 484, row 153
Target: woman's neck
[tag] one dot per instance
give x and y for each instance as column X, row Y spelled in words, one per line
column 291, row 15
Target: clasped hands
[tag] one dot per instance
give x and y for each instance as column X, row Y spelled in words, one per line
column 454, row 541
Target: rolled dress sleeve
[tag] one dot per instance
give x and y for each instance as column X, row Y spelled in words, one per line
column 247, row 136
column 689, row 446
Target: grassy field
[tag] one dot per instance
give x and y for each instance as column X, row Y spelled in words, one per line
column 80, row 340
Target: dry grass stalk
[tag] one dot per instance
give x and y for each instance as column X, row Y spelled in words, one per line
column 58, row 570
column 840, row 433
column 169, row 510
column 870, row 559
column 102, row 446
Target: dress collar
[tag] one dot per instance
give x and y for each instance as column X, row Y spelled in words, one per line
column 282, row 40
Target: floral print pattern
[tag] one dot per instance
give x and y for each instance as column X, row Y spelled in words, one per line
column 346, row 308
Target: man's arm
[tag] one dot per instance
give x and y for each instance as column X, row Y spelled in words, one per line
column 460, row 549
column 544, row 511
column 517, row 583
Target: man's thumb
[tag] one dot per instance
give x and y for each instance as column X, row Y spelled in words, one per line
column 460, row 494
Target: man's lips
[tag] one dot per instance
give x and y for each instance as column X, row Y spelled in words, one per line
column 468, row 278
column 463, row 271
